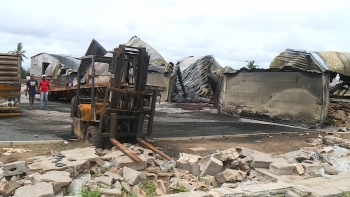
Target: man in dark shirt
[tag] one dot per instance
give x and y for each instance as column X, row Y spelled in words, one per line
column 32, row 86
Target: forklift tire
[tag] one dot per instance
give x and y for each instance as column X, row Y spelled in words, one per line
column 92, row 136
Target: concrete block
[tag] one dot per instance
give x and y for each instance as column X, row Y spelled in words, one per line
column 27, row 182
column 230, row 175
column 126, row 186
column 6, row 189
column 15, row 168
column 42, row 189
column 160, row 188
column 281, row 168
column 327, row 149
column 104, row 181
column 111, row 155
column 189, row 162
column 244, row 152
column 138, row 192
column 328, row 169
column 299, row 155
column 127, row 161
column 180, row 173
column 312, row 168
column 111, row 192
column 291, row 194
column 228, row 154
column 298, row 169
column 59, row 179
column 227, row 192
column 164, row 176
column 114, row 176
column 192, row 194
column 149, row 177
column 201, row 151
column 211, row 166
column 152, row 169
column 229, row 185
column 263, row 160
column 131, row 176
column 208, row 180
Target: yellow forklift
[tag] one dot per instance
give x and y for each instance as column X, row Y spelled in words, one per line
column 116, row 114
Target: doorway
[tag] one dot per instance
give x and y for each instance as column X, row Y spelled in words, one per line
column 44, row 67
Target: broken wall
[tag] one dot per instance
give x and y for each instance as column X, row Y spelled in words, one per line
column 161, row 80
column 300, row 96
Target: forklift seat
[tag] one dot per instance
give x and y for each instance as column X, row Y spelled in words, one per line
column 85, row 110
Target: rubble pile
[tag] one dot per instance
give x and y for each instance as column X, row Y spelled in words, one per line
column 236, row 171
column 339, row 113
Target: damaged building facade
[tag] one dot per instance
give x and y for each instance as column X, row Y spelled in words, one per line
column 295, row 87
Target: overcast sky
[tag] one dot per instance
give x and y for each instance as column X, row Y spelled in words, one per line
column 231, row 31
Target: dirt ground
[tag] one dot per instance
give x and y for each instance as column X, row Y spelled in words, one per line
column 272, row 144
column 172, row 121
column 37, row 150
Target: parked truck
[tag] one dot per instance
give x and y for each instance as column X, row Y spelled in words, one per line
column 10, row 84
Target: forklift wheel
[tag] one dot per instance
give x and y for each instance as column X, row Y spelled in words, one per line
column 92, row 136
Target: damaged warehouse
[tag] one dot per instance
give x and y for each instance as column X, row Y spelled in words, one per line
column 296, row 87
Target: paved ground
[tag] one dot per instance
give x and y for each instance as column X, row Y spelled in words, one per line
column 54, row 123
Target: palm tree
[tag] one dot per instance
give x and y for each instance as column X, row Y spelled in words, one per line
column 250, row 64
column 19, row 51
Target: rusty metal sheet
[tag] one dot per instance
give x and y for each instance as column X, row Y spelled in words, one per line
column 10, row 68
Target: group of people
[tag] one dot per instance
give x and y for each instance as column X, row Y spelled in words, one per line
column 43, row 86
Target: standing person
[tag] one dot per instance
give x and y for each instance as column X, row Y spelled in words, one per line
column 44, row 86
column 32, row 85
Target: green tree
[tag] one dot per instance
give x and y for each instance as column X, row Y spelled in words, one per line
column 251, row 64
column 19, row 51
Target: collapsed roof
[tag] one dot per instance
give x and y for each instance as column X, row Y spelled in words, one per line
column 156, row 62
column 338, row 62
column 66, row 63
column 195, row 71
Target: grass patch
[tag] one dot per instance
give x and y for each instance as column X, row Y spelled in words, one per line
column 89, row 193
column 150, row 189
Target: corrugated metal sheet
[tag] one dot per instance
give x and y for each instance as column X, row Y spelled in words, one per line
column 338, row 62
column 195, row 72
column 157, row 62
column 319, row 62
column 10, row 68
column 95, row 48
column 62, row 62
column 10, row 82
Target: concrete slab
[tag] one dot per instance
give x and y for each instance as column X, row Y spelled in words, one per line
column 187, row 194
column 59, row 179
column 113, row 154
column 82, row 156
column 38, row 190
column 226, row 192
column 125, row 160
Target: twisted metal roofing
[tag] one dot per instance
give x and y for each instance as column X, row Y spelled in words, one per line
column 195, row 72
column 156, row 62
column 319, row 62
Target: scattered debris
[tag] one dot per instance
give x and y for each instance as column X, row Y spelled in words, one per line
column 236, row 170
